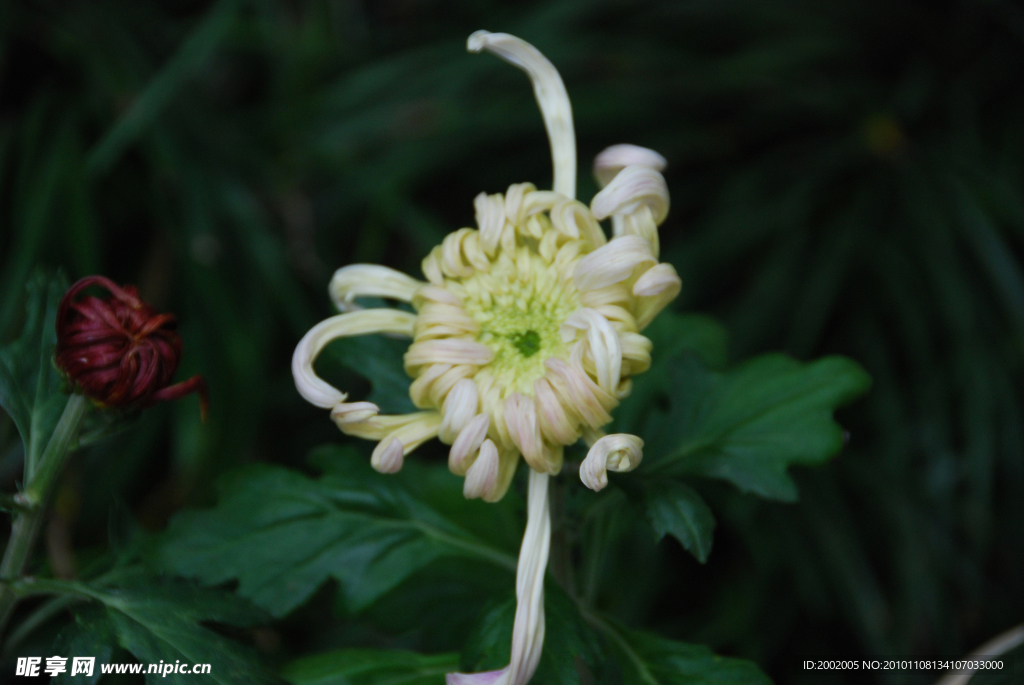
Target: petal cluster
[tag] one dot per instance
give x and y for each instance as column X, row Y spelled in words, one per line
column 525, row 334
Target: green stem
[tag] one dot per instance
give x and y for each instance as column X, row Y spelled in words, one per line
column 52, row 460
column 25, row 528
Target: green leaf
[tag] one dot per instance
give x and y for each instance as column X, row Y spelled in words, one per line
column 648, row 659
column 91, row 634
column 569, row 643
column 371, row 667
column 30, row 387
column 672, row 335
column 379, row 360
column 702, row 335
column 281, row 534
column 747, row 425
column 673, row 508
column 162, row 621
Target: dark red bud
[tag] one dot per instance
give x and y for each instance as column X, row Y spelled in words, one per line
column 119, row 351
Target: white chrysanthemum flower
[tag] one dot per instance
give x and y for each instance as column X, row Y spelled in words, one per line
column 524, row 337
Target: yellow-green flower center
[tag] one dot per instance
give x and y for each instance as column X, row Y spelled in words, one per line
column 520, row 307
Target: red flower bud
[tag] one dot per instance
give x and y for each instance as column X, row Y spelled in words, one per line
column 119, row 351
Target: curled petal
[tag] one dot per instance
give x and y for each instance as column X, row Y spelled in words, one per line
column 452, row 263
column 459, row 408
column 467, row 443
column 636, row 353
column 603, row 342
column 551, row 97
column 612, row 263
column 483, row 474
column 370, row 280
column 386, row 457
column 573, row 219
column 447, row 351
column 614, row 159
column 376, row 426
column 616, row 452
column 437, row 320
column 515, row 204
column 634, row 187
column 432, row 293
column 508, row 461
column 659, row 279
column 345, row 413
column 663, row 285
column 551, row 416
column 579, row 394
column 317, row 391
column 521, row 422
column 490, row 218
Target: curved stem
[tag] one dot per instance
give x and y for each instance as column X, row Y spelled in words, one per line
column 25, row 528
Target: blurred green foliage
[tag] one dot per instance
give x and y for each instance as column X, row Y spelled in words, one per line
column 846, row 179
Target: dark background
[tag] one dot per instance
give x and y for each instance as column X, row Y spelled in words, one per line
column 846, row 178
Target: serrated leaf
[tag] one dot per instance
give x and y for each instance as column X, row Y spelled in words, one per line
column 282, row 534
column 673, row 508
column 371, row 667
column 30, row 387
column 749, row 424
column 648, row 659
column 569, row 643
column 162, row 621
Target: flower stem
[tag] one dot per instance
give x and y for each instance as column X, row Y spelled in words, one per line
column 27, row 523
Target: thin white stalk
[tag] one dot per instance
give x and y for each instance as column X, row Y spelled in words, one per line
column 528, row 629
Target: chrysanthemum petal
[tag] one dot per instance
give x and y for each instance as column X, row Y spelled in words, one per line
column 345, row 413
column 551, row 96
column 388, row 456
column 603, row 343
column 483, row 474
column 490, row 218
column 615, row 158
column 578, row 393
column 460, row 406
column 521, row 422
column 655, row 290
column 633, row 187
column 616, row 452
column 467, row 443
column 448, row 351
column 317, row 391
column 612, row 263
column 409, row 437
column 370, row 280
